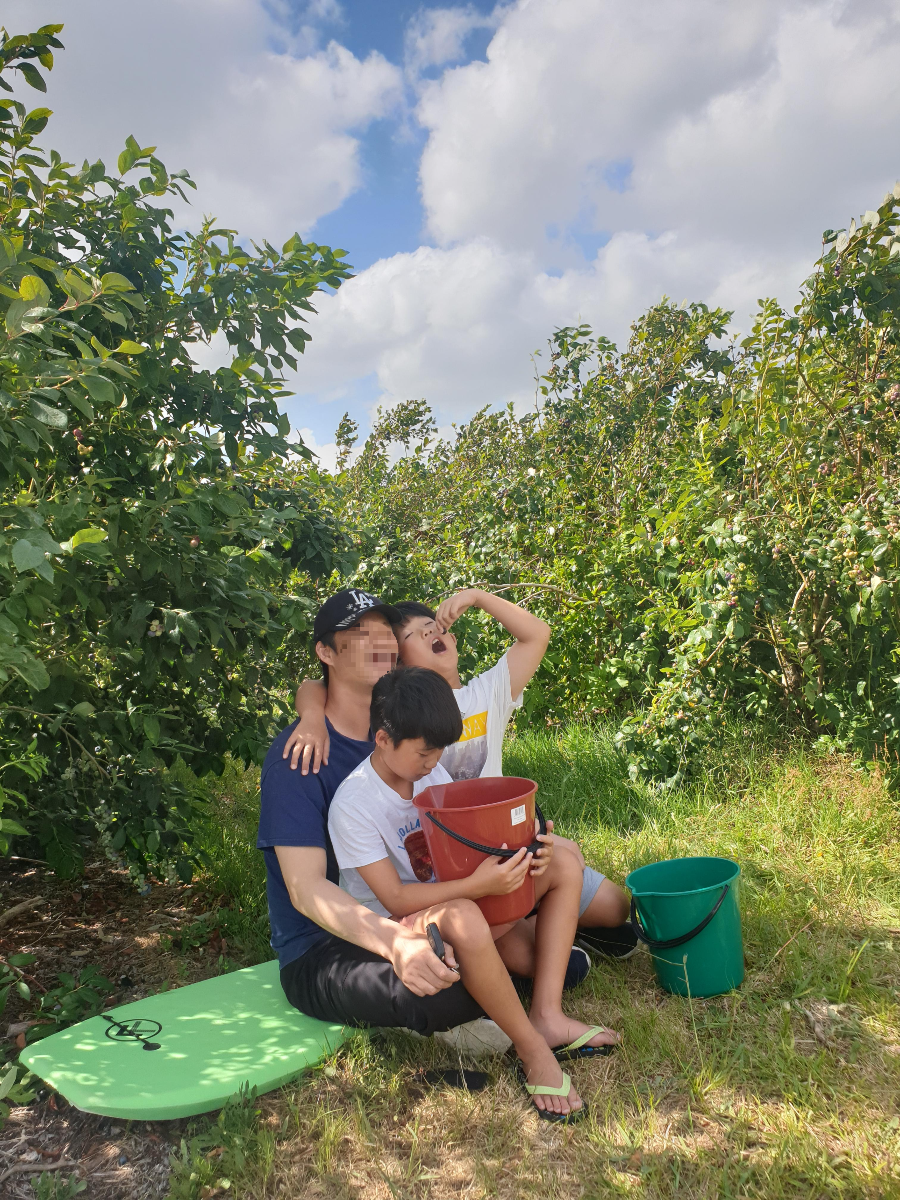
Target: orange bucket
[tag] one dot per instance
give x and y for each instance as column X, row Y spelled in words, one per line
column 466, row 822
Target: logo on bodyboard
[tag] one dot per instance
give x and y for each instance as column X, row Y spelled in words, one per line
column 139, row 1029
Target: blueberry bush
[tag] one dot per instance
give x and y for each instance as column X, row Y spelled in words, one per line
column 158, row 544
column 709, row 524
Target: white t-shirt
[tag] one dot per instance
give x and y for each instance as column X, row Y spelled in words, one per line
column 369, row 821
column 486, row 706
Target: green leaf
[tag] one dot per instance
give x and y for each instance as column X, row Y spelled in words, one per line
column 74, row 286
column 54, row 417
column 100, row 389
column 112, row 281
column 26, row 555
column 32, row 75
column 32, row 287
column 84, row 710
column 36, row 121
column 100, row 348
column 128, row 347
column 81, row 402
column 189, row 627
column 89, row 534
column 129, row 156
column 25, row 665
column 22, row 960
column 18, row 317
column 8, row 1080
column 151, row 729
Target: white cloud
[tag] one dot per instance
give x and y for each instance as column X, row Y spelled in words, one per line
column 290, row 123
column 457, row 325
column 701, row 145
column 436, row 36
column 735, row 118
column 709, row 143
column 522, row 141
column 270, row 138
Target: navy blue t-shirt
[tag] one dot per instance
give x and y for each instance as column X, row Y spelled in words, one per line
column 294, row 812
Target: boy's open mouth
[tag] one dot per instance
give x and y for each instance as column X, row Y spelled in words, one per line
column 438, row 646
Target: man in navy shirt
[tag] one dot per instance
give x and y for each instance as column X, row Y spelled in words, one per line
column 339, row 961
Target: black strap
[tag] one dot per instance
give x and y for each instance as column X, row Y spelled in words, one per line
column 498, row 851
column 676, row 941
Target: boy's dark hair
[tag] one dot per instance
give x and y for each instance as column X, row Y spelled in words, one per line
column 414, row 702
column 412, row 608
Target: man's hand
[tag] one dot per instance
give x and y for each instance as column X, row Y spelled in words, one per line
column 500, row 876
column 416, row 964
column 410, row 954
column 451, row 610
column 542, row 857
column 310, row 740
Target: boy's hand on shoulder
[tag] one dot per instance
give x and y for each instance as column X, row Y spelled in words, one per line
column 309, row 742
column 542, row 857
column 500, row 876
column 452, row 609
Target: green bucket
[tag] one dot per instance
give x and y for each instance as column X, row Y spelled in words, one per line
column 686, row 912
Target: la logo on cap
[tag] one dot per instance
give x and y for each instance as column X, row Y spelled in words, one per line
column 362, row 599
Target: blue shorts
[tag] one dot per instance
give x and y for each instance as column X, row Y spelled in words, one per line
column 589, row 885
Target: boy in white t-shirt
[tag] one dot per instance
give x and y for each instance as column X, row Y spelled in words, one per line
column 486, row 703
column 382, row 854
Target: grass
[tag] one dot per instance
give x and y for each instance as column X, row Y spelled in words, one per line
column 742, row 1095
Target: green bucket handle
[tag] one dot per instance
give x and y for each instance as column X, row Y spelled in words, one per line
column 676, row 941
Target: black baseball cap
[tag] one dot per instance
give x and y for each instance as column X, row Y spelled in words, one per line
column 346, row 608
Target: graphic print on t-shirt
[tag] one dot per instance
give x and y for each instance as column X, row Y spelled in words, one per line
column 419, row 855
column 465, row 759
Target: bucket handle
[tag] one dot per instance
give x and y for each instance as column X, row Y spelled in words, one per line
column 676, row 941
column 497, row 851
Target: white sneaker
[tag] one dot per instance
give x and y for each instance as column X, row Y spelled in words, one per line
column 478, row 1037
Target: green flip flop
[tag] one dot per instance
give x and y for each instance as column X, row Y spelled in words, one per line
column 579, row 1048
column 543, row 1089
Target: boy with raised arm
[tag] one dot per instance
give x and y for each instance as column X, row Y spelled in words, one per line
column 486, row 703
column 379, row 845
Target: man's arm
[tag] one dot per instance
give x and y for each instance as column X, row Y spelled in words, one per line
column 531, row 633
column 414, row 962
column 310, row 737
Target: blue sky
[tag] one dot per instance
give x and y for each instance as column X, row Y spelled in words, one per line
column 494, row 171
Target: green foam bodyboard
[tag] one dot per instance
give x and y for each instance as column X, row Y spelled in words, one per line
column 212, row 1038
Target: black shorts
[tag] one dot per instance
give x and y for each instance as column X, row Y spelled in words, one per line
column 339, row 982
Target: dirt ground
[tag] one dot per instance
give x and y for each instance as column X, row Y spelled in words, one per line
column 134, row 941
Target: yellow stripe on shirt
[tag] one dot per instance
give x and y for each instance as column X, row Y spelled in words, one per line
column 474, row 726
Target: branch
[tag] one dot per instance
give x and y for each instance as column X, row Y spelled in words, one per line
column 800, row 590
column 20, row 908
column 704, row 662
column 30, row 712
column 22, row 1168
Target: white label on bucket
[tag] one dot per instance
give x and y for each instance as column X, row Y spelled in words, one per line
column 517, row 816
